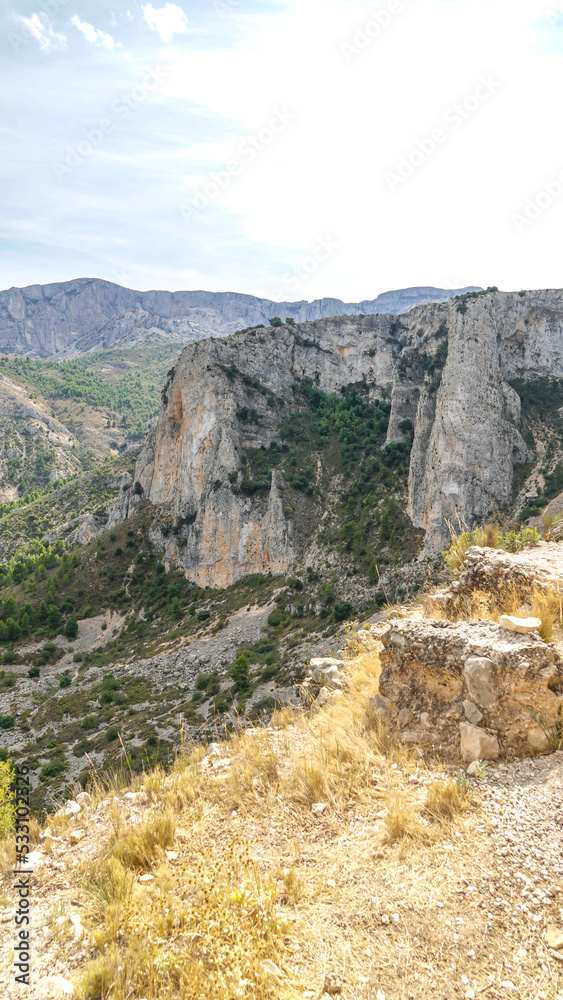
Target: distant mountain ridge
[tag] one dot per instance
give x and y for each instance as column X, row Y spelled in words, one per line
column 71, row 318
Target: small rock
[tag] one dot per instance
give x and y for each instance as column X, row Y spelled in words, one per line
column 318, row 808
column 479, row 677
column 135, row 796
column 272, row 969
column 537, row 739
column 146, row 878
column 322, row 697
column 476, row 744
column 381, row 706
column 75, row 836
column 524, row 625
column 333, row 984
column 554, row 937
column 472, row 713
column 70, row 808
column 171, row 855
column 425, row 720
column 404, row 717
column 35, row 859
column 473, row 768
column 84, row 799
column 45, row 834
column 55, row 986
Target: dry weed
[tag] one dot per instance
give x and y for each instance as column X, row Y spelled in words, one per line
column 142, row 845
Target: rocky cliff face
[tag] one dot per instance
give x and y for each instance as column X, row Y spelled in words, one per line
column 72, row 317
column 445, row 367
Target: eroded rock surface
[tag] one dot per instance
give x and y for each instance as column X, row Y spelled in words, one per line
column 445, row 670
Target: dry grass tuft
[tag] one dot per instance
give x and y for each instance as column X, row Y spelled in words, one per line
column 401, row 821
column 547, row 605
column 445, row 801
column 141, row 846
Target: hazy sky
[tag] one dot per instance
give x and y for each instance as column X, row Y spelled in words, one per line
column 287, row 149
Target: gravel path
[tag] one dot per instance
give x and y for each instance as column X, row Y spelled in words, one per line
column 523, row 802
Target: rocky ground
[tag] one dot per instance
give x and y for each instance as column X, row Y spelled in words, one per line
column 484, row 914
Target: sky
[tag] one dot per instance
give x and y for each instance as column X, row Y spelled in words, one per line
column 291, row 150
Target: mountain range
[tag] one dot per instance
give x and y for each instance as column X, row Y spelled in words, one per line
column 71, row 318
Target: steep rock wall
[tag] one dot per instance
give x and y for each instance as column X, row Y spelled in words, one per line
column 446, row 367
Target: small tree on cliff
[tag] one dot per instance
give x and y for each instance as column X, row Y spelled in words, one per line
column 240, row 671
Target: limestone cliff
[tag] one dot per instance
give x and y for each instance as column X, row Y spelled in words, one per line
column 445, row 367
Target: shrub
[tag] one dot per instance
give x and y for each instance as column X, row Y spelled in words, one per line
column 342, row 610
column 111, row 734
column 7, row 722
column 275, row 618
column 33, row 672
column 202, row 616
column 65, row 681
column 90, row 722
column 52, row 769
column 77, row 658
column 240, row 671
column 9, row 656
column 71, row 628
column 118, row 551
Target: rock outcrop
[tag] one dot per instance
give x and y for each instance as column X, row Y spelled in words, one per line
column 494, row 571
column 73, row 317
column 470, row 684
column 446, row 368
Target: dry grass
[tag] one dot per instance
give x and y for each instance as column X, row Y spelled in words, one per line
column 141, row 846
column 444, row 801
column 546, row 604
column 353, row 890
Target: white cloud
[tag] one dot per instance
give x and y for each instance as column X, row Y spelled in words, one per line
column 39, row 28
column 94, row 35
column 169, row 20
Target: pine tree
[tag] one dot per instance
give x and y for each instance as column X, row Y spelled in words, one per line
column 240, row 671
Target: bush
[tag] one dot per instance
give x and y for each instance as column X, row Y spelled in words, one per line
column 52, row 769
column 7, row 722
column 9, row 656
column 71, row 628
column 77, row 658
column 65, row 681
column 240, row 671
column 118, row 551
column 33, row 672
column 90, row 722
column 275, row 618
column 342, row 610
column 202, row 616
column 111, row 734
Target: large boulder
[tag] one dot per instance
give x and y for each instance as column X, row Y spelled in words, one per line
column 495, row 570
column 449, row 674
